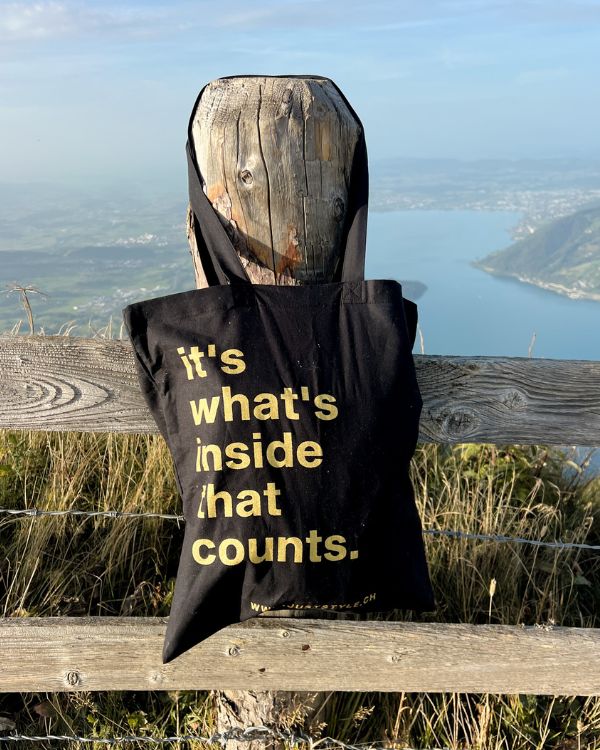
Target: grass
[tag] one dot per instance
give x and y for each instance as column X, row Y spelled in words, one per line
column 63, row 565
column 77, row 566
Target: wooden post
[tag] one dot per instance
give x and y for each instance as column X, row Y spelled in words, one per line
column 275, row 154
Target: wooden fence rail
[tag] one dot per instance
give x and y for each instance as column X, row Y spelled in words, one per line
column 112, row 653
column 69, row 383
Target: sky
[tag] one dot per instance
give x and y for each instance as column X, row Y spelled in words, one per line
column 102, row 91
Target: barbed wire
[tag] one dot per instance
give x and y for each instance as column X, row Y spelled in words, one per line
column 90, row 513
column 247, row 734
column 514, row 539
column 452, row 533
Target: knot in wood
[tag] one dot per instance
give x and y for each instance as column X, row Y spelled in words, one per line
column 514, row 399
column 338, row 209
column 397, row 656
column 73, row 678
column 459, row 423
column 246, row 177
column 234, row 651
column 286, row 104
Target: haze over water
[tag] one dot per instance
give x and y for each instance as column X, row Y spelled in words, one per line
column 465, row 310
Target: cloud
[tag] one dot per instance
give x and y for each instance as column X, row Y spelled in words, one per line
column 547, row 11
column 330, row 15
column 558, row 12
column 31, row 20
column 541, row 76
column 291, row 14
column 391, row 16
column 47, row 20
column 393, row 26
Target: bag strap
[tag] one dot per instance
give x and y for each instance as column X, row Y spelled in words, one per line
column 353, row 262
column 212, row 238
column 210, row 233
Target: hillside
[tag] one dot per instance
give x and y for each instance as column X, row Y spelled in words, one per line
column 563, row 256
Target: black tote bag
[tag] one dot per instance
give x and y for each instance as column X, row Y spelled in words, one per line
column 291, row 414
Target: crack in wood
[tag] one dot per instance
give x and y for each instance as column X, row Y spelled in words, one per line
column 268, row 196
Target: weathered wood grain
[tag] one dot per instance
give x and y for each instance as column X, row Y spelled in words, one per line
column 68, row 383
column 275, row 154
column 77, row 653
column 509, row 400
column 71, row 383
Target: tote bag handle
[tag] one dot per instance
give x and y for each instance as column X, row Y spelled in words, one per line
column 214, row 243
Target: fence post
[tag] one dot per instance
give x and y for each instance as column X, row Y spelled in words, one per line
column 275, row 154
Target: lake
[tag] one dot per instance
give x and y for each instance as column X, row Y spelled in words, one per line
column 465, row 310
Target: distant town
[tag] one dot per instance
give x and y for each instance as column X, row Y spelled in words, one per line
column 90, row 254
column 537, row 207
column 539, row 190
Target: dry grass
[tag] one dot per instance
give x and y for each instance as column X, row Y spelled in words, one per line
column 104, row 566
column 63, row 565
column 518, row 491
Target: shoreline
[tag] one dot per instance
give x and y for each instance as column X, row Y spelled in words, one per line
column 549, row 286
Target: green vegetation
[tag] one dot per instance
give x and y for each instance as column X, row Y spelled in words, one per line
column 84, row 286
column 563, row 256
column 104, row 566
